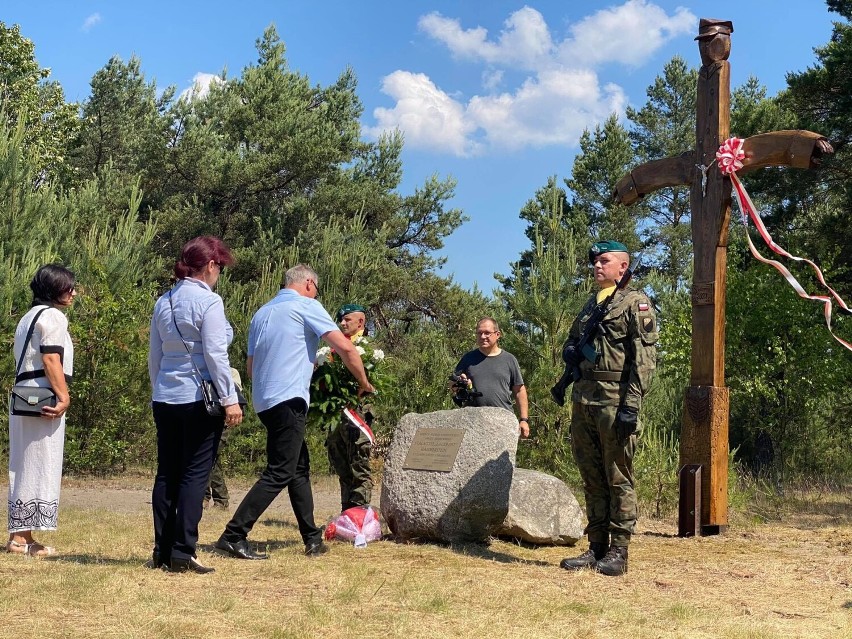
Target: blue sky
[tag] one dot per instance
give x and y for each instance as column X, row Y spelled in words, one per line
column 494, row 93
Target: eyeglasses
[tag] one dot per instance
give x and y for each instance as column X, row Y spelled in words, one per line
column 221, row 267
column 486, row 333
column 314, row 282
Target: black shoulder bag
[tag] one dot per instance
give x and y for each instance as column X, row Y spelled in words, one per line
column 29, row 400
column 209, row 394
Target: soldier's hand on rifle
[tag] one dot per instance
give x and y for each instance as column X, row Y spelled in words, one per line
column 570, row 355
column 626, row 421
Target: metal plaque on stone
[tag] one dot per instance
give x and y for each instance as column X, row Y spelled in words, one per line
column 434, row 449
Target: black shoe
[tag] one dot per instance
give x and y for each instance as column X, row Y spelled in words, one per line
column 239, row 549
column 588, row 559
column 614, row 564
column 190, row 565
column 156, row 562
column 315, row 549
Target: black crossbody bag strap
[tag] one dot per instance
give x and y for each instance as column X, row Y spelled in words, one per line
column 191, row 361
column 27, row 341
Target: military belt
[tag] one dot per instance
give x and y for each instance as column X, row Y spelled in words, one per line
column 605, row 376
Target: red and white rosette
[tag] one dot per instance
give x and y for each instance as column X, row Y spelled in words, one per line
column 729, row 157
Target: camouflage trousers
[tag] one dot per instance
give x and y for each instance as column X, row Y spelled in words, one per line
column 606, row 466
column 216, row 488
column 349, row 455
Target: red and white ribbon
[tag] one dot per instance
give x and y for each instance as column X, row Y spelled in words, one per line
column 729, row 158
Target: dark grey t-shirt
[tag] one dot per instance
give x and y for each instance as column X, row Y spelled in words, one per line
column 492, row 376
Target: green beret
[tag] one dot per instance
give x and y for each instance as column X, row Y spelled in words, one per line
column 349, row 308
column 606, row 246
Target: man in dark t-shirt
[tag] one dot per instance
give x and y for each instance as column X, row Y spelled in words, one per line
column 495, row 373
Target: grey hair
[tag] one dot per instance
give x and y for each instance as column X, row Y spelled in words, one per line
column 300, row 273
column 489, row 319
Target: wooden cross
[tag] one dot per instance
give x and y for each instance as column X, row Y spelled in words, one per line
column 704, row 436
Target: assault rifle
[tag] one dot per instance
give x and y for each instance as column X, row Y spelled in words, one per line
column 584, row 345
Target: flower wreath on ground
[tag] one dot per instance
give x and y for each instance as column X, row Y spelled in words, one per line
column 333, row 387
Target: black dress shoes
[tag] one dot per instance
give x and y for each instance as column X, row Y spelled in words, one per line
column 190, row 565
column 239, row 549
column 315, row 549
column 157, row 562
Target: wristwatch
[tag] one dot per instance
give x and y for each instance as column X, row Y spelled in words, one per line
column 524, row 419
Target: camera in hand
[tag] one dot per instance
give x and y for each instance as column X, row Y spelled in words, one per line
column 463, row 391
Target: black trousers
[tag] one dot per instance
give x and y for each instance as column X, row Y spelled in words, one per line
column 287, row 466
column 187, row 442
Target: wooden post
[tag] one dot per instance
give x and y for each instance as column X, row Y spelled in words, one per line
column 689, row 508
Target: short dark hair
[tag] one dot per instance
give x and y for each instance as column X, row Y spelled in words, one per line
column 50, row 283
column 198, row 252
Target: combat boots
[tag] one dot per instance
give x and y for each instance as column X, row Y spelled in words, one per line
column 588, row 559
column 614, row 564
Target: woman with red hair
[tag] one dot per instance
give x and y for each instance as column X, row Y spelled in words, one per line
column 188, row 343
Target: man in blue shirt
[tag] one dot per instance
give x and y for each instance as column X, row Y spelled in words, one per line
column 283, row 339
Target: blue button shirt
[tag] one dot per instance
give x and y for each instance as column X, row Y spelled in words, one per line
column 283, row 339
column 200, row 315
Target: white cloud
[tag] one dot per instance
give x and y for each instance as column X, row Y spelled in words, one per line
column 524, row 42
column 429, row 117
column 492, row 78
column 552, row 109
column 200, row 86
column 628, row 34
column 90, row 22
column 558, row 95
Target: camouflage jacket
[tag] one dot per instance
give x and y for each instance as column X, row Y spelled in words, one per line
column 627, row 352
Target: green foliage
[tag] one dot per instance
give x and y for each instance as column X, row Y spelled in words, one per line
column 605, row 156
column 126, row 128
column 787, row 375
column 108, row 423
column 657, row 458
column 665, row 127
column 29, row 98
column 545, row 296
column 333, row 387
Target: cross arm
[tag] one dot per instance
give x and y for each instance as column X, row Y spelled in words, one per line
column 798, row 149
column 652, row 176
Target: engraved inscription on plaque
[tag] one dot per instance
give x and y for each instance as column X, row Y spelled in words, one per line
column 434, row 449
column 702, row 293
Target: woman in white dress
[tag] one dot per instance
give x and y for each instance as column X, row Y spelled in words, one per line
column 36, row 443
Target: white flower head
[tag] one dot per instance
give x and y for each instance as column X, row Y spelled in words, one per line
column 378, row 355
column 360, row 350
column 360, row 340
column 322, row 355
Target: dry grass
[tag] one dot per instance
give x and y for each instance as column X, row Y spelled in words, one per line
column 782, row 579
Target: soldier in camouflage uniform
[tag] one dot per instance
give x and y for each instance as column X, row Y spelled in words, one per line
column 348, row 446
column 606, row 402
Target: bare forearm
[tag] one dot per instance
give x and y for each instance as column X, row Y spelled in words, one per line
column 352, row 361
column 56, row 376
column 522, row 402
column 347, row 352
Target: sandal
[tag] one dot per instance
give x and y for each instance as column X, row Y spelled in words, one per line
column 34, row 549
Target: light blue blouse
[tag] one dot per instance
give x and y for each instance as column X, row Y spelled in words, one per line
column 200, row 315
